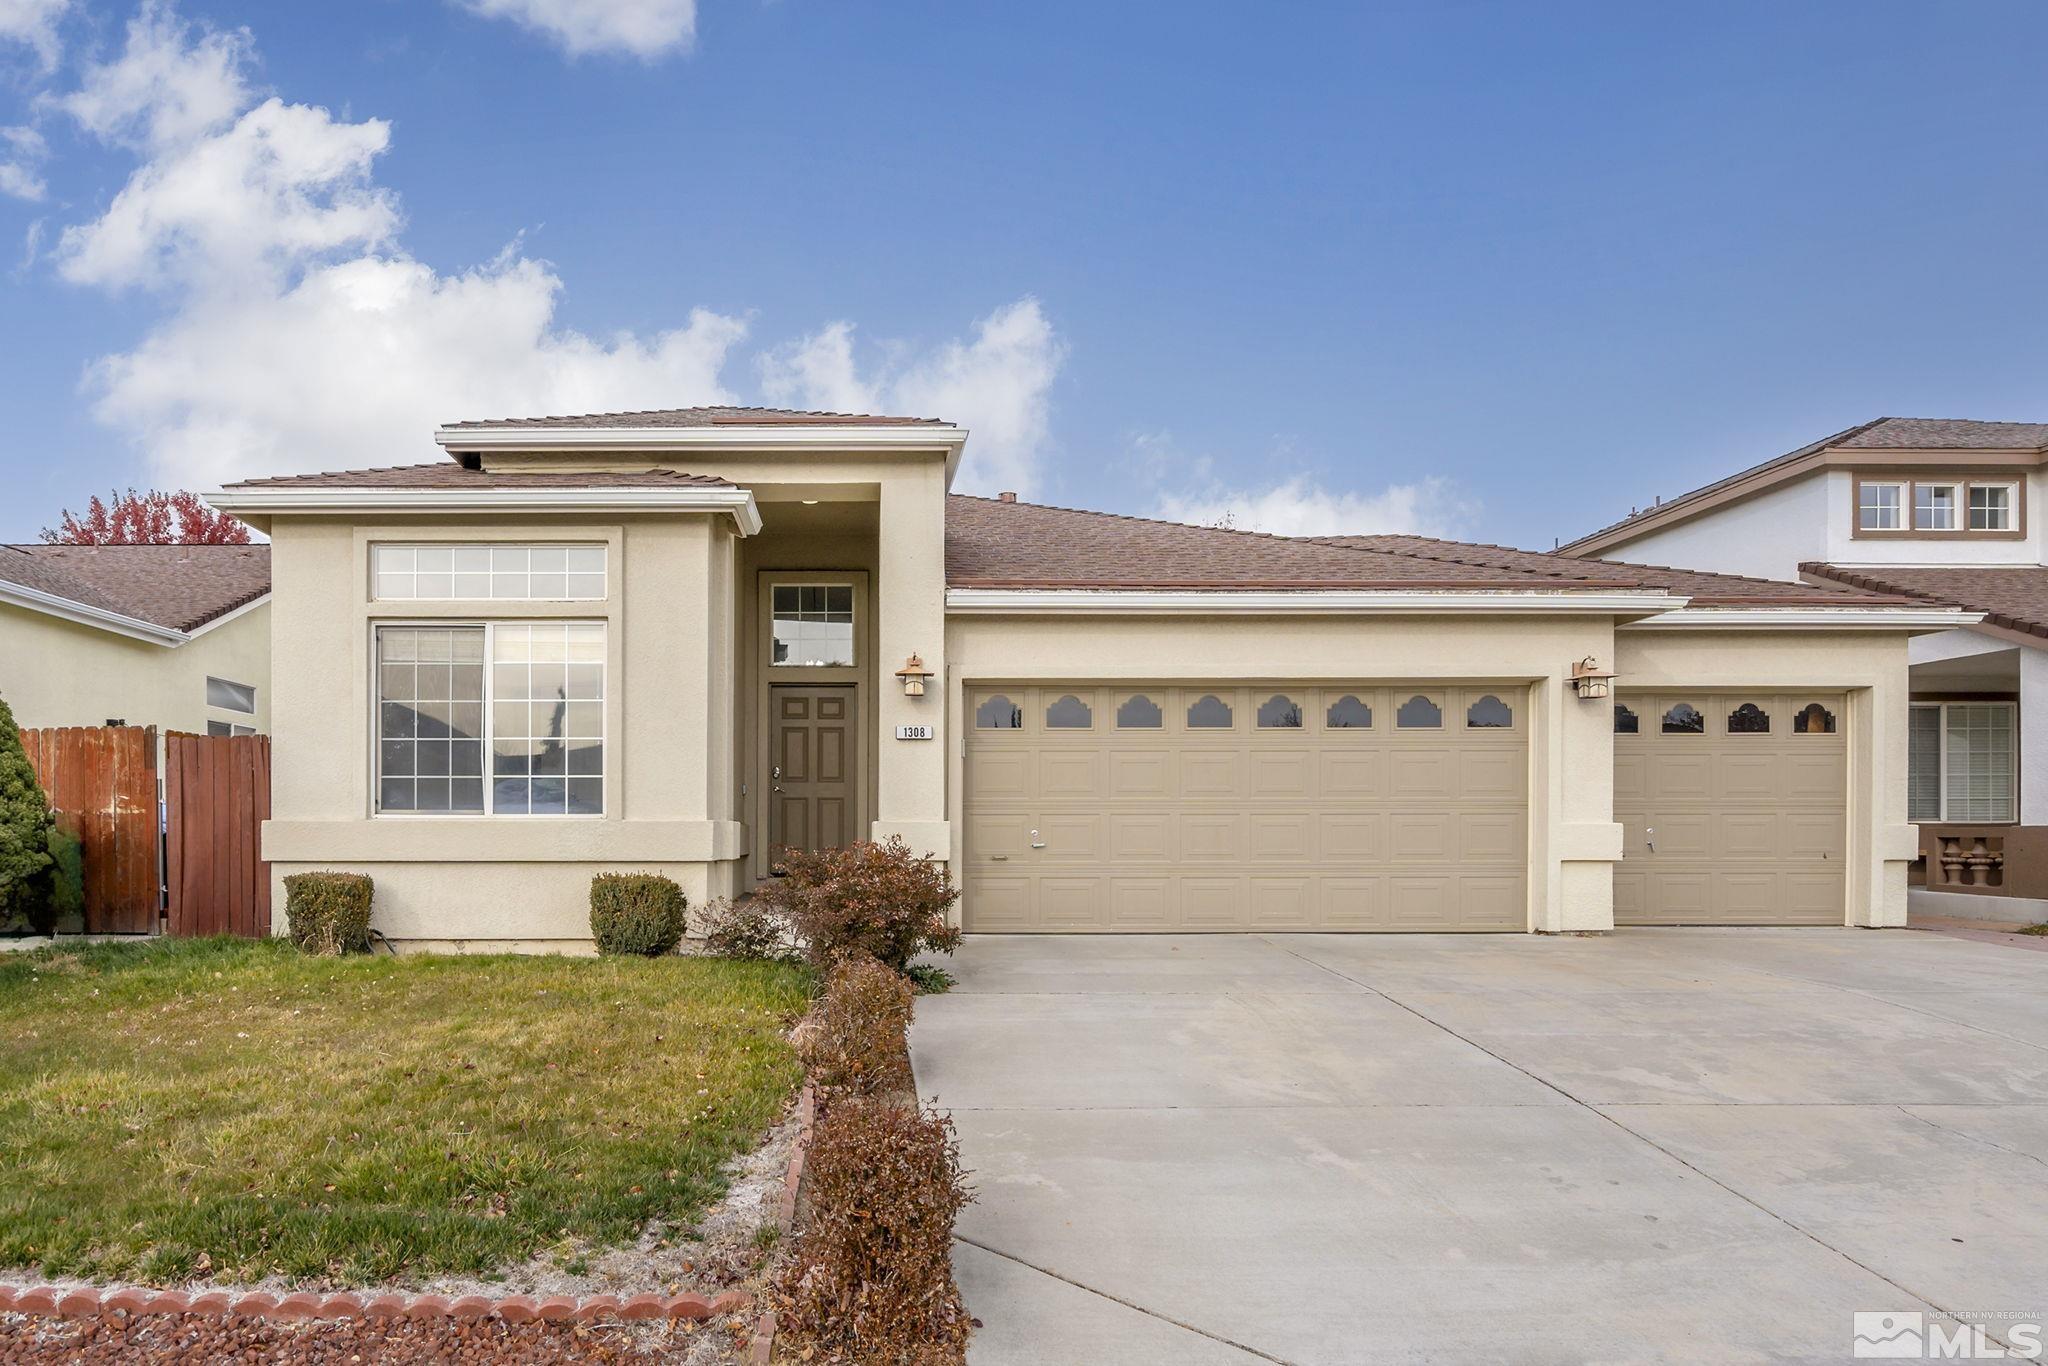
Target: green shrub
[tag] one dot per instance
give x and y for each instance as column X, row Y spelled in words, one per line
column 636, row 913
column 871, row 1278
column 857, row 1037
column 25, row 826
column 328, row 912
column 67, row 881
column 877, row 899
column 745, row 930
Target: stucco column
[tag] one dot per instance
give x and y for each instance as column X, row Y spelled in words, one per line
column 2033, row 723
column 1576, row 765
column 910, row 619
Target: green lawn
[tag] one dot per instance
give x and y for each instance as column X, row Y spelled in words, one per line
column 233, row 1109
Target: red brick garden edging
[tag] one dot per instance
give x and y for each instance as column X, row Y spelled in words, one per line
column 763, row 1348
column 92, row 1302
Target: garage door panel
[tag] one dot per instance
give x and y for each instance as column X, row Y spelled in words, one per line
column 1336, row 825
column 1726, row 826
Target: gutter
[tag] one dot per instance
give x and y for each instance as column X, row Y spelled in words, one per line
column 68, row 609
column 997, row 601
column 1810, row 618
column 259, row 500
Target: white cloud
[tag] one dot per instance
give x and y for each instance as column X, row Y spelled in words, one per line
column 170, row 85
column 34, row 23
column 996, row 384
column 299, row 334
column 22, row 151
column 641, row 28
column 1297, row 505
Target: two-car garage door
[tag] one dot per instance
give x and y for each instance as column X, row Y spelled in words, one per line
column 1128, row 808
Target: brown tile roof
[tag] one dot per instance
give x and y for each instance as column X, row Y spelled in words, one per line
column 1705, row 590
column 724, row 416
column 994, row 544
column 1948, row 434
column 447, row 474
column 178, row 586
column 2014, row 597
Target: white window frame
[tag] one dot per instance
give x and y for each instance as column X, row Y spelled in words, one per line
column 1941, row 710
column 2012, row 500
column 1864, row 506
column 379, row 574
column 229, row 684
column 227, row 729
column 490, row 629
column 1927, row 487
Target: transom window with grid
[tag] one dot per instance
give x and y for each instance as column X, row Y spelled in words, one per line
column 503, row 718
column 813, row 624
column 506, row 573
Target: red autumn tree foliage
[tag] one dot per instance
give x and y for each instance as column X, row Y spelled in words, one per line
column 157, row 517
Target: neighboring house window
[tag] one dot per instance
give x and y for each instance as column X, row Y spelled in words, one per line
column 1934, row 507
column 1877, row 507
column 1960, row 761
column 227, row 728
column 477, row 573
column 229, row 696
column 1991, row 507
column 527, row 696
column 813, row 624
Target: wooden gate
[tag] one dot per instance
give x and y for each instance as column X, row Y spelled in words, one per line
column 101, row 783
column 217, row 793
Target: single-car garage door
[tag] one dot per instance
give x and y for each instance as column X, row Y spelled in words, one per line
column 1733, row 807
column 1132, row 808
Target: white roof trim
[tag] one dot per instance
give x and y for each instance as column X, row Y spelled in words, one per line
column 1311, row 600
column 225, row 617
column 68, row 609
column 288, row 498
column 739, row 436
column 1811, row 618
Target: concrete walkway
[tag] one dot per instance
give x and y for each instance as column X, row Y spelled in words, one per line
column 1697, row 1145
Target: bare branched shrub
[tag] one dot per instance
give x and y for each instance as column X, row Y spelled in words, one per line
column 878, row 899
column 856, row 1038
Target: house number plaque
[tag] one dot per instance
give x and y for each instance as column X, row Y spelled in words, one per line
column 913, row 732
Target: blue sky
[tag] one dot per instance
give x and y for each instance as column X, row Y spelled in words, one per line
column 1496, row 271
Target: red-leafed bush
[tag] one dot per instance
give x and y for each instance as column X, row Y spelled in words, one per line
column 871, row 1276
column 877, row 899
column 856, row 1037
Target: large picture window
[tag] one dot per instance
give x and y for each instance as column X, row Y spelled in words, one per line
column 1960, row 762
column 524, row 698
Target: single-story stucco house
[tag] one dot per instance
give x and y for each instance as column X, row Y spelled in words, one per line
column 678, row 640
column 171, row 636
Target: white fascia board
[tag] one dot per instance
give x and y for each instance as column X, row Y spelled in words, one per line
column 1809, row 618
column 225, row 617
column 328, row 499
column 1198, row 602
column 744, row 436
column 49, row 604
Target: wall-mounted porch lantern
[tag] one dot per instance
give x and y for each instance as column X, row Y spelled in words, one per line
column 1589, row 679
column 913, row 673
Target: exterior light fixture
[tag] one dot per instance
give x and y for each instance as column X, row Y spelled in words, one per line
column 1590, row 680
column 913, row 673
column 810, row 502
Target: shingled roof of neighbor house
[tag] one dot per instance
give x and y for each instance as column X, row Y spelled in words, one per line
column 180, row 587
column 992, row 543
column 447, row 474
column 2013, row 596
column 720, row 416
column 1884, row 433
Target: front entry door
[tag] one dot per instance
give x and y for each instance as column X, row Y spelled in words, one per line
column 811, row 782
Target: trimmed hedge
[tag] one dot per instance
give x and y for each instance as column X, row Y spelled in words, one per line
column 637, row 913
column 871, row 1279
column 328, row 912
column 854, row 1038
column 877, row 899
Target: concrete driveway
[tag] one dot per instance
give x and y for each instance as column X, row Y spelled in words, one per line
column 1707, row 1145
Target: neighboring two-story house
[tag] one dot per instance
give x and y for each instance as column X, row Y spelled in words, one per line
column 1939, row 511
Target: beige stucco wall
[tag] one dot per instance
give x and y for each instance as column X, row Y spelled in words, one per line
column 59, row 673
column 1871, row 668
column 1573, row 839
column 511, row 880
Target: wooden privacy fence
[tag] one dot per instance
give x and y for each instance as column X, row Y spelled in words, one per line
column 217, row 795
column 101, row 782
column 194, row 860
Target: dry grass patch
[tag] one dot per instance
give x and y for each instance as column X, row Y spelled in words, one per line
column 235, row 1110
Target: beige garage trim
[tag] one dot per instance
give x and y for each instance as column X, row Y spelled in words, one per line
column 1733, row 806
column 1131, row 808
